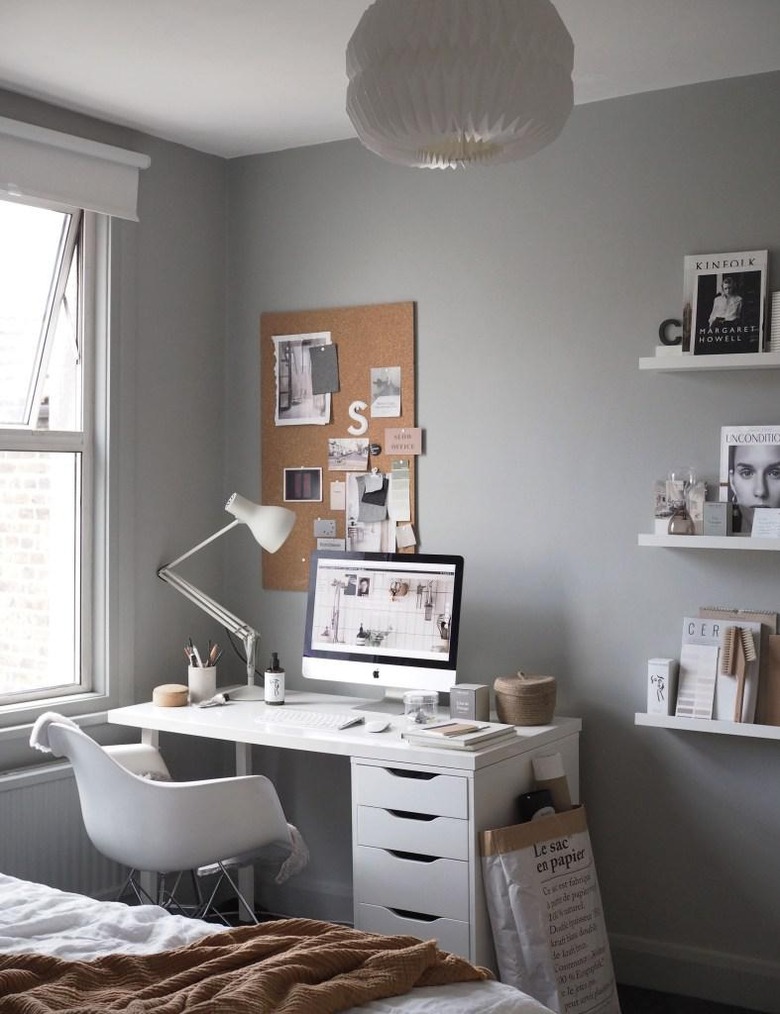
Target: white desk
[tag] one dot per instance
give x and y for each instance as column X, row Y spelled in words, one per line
column 416, row 811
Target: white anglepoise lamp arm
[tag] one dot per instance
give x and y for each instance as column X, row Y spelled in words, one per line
column 230, row 621
column 200, row 545
column 270, row 526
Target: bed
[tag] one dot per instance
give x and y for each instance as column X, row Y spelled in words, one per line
column 67, row 952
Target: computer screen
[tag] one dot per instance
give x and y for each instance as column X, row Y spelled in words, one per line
column 384, row 620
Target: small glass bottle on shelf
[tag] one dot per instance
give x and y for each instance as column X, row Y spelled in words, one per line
column 679, row 483
column 681, row 523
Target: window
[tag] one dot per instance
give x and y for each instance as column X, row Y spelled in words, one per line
column 61, row 261
column 47, row 438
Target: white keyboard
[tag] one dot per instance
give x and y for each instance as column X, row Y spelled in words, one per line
column 297, row 718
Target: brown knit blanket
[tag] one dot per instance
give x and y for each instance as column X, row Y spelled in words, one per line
column 292, row 966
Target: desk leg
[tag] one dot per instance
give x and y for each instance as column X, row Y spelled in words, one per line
column 146, row 878
column 246, row 875
column 151, row 737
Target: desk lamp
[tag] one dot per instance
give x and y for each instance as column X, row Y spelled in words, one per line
column 270, row 527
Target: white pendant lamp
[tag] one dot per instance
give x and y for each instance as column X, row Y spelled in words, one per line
column 443, row 83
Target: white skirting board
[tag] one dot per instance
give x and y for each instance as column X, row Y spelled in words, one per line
column 692, row 971
column 43, row 835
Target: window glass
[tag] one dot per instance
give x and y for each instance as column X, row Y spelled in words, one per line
column 31, row 250
column 39, row 589
column 60, row 407
column 43, row 500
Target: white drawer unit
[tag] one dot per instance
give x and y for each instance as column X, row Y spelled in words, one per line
column 415, row 836
column 411, row 850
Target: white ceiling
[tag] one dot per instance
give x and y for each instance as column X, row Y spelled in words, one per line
column 238, row 77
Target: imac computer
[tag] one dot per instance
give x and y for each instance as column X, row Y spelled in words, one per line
column 384, row 620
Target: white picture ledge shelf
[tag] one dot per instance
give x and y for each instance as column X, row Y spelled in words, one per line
column 710, row 542
column 708, row 725
column 740, row 361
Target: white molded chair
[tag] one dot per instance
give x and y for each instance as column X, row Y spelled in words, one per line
column 148, row 824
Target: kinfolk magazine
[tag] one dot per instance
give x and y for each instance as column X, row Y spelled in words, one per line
column 725, row 301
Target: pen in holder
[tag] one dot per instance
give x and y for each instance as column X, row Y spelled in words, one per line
column 202, row 682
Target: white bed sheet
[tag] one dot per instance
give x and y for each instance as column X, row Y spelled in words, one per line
column 42, row 920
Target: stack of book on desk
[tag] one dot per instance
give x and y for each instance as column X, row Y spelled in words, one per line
column 459, row 735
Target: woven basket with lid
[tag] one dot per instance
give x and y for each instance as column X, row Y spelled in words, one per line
column 524, row 699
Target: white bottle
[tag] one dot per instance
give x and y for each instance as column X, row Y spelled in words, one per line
column 274, row 682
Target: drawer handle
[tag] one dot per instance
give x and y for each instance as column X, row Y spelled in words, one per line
column 402, row 913
column 408, row 815
column 413, row 856
column 425, row 776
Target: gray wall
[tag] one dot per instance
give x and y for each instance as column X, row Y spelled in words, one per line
column 538, row 286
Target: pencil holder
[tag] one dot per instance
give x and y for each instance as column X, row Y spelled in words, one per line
column 202, row 682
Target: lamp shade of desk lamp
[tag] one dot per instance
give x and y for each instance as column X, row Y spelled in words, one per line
column 270, row 527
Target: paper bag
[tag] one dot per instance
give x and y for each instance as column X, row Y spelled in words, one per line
column 545, row 911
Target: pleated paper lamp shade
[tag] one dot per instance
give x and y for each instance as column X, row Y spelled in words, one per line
column 443, row 83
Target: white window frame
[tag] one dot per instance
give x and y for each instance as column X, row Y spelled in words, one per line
column 39, row 165
column 92, row 443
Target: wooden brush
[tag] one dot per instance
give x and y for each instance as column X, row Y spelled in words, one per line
column 740, row 668
column 737, row 649
column 745, row 652
column 748, row 644
column 728, row 649
column 733, row 663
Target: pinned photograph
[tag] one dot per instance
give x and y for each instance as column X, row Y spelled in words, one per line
column 347, row 454
column 303, row 485
column 296, row 401
column 386, row 392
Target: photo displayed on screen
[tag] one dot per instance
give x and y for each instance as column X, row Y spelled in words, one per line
column 382, row 605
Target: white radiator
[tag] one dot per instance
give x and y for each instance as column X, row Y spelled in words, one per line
column 42, row 835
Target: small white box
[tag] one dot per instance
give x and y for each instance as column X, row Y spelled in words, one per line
column 470, row 700
column 661, row 686
column 716, row 517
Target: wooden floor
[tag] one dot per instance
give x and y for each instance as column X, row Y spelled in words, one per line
column 646, row 1001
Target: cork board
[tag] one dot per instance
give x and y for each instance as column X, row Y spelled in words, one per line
column 365, row 337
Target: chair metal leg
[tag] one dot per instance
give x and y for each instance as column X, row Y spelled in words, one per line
column 132, row 884
column 249, row 909
column 209, row 908
column 203, row 907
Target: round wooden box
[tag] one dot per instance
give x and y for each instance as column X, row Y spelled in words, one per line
column 170, row 695
column 525, row 700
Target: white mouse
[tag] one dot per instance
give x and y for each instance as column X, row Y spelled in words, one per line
column 378, row 725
